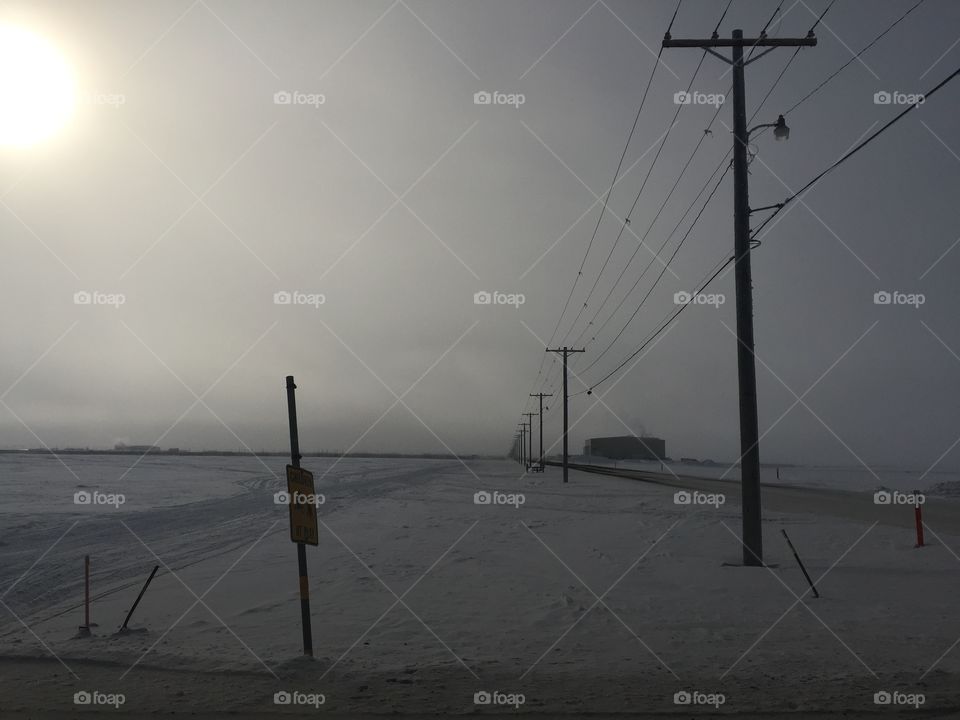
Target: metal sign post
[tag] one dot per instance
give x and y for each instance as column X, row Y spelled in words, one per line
column 297, row 479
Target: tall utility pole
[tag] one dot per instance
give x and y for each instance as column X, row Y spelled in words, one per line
column 566, row 352
column 541, row 396
column 529, row 417
column 746, row 362
column 523, row 442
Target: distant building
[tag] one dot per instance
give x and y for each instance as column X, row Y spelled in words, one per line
column 120, row 447
column 626, row 447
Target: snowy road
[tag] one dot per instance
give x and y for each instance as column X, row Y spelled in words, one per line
column 938, row 513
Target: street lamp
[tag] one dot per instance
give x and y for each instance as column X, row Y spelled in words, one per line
column 781, row 131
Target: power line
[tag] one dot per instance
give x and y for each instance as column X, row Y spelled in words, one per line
column 606, row 200
column 603, row 208
column 646, row 179
column 660, row 210
column 803, row 189
column 690, row 229
column 855, row 57
column 855, row 150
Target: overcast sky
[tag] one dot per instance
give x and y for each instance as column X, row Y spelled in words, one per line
column 185, row 184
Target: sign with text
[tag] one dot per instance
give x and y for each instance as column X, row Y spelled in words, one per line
column 303, row 506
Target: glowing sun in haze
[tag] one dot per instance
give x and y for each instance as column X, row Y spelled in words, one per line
column 37, row 93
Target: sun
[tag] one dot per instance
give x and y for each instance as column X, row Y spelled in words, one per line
column 37, row 90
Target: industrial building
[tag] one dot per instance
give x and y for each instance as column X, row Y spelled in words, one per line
column 626, row 447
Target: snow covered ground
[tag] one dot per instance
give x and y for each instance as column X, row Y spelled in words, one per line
column 601, row 597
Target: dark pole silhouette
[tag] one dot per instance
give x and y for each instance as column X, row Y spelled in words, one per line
column 746, row 362
column 541, row 396
column 566, row 352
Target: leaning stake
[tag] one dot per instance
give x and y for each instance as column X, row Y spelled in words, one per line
column 800, row 563
column 139, row 597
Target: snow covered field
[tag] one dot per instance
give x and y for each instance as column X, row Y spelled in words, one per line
column 599, row 597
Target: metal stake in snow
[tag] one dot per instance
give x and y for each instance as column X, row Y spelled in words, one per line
column 301, row 549
column 85, row 628
column 800, row 563
column 126, row 621
column 918, row 516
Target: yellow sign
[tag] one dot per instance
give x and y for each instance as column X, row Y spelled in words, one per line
column 303, row 506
